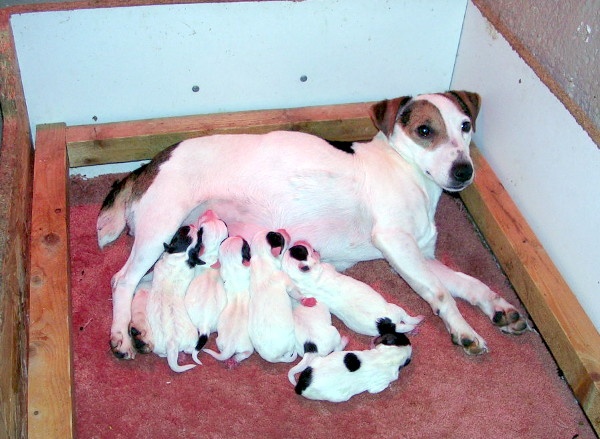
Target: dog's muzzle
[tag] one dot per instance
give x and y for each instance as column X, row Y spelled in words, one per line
column 461, row 175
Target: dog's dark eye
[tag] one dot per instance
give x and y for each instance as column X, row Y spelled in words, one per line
column 466, row 126
column 424, row 131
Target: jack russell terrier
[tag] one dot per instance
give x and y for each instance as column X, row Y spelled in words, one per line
column 270, row 318
column 205, row 297
column 233, row 339
column 340, row 375
column 172, row 329
column 353, row 202
column 355, row 303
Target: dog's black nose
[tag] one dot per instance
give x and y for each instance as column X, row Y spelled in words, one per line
column 462, row 172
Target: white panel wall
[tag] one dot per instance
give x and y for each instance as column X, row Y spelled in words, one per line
column 547, row 163
column 117, row 64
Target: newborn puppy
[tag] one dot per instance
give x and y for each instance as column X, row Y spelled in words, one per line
column 233, row 340
column 205, row 297
column 343, row 374
column 172, row 329
column 270, row 319
column 314, row 334
column 354, row 302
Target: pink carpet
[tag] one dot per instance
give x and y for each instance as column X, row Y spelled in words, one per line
column 514, row 391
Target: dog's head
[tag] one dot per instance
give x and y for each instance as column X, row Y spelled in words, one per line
column 433, row 132
column 301, row 257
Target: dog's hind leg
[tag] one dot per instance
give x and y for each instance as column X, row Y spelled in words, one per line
column 500, row 312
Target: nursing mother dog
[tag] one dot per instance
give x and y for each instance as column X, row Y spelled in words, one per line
column 353, row 203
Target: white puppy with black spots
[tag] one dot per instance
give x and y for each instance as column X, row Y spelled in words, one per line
column 340, row 375
column 355, row 303
column 315, row 334
column 233, row 339
column 205, row 297
column 270, row 318
column 172, row 329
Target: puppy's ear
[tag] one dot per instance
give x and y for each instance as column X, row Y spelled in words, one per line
column 384, row 113
column 467, row 101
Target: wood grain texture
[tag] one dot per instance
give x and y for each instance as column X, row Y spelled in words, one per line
column 568, row 331
column 16, row 158
column 50, row 390
column 140, row 140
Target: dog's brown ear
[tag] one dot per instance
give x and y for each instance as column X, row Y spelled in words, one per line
column 384, row 113
column 467, row 101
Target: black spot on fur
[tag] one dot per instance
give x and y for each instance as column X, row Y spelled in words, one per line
column 201, row 341
column 299, row 252
column 304, row 380
column 194, row 253
column 310, row 347
column 180, row 241
column 385, row 326
column 351, row 362
column 275, row 239
column 246, row 255
column 396, row 339
column 342, row 145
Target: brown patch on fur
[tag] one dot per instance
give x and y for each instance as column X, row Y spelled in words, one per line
column 423, row 123
column 384, row 113
column 467, row 102
column 145, row 178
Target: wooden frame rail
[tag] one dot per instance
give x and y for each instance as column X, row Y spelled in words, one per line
column 567, row 330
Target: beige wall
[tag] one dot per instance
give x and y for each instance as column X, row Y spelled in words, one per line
column 560, row 40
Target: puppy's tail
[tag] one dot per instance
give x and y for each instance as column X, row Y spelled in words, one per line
column 220, row 356
column 302, row 364
column 111, row 219
column 172, row 353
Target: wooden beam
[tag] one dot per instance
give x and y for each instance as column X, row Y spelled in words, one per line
column 50, row 390
column 566, row 328
column 139, row 140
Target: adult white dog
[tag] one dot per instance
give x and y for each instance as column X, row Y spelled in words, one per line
column 352, row 202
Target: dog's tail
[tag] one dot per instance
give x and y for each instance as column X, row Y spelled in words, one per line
column 112, row 217
column 172, row 354
column 302, row 364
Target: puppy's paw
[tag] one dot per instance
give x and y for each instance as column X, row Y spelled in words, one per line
column 121, row 346
column 140, row 341
column 308, row 301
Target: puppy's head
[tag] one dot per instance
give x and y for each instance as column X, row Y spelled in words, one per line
column 301, row 257
column 433, row 132
column 234, row 252
column 212, row 231
column 185, row 241
column 273, row 243
column 389, row 337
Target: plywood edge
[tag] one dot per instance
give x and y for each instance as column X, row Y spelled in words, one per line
column 564, row 325
column 50, row 383
column 140, row 140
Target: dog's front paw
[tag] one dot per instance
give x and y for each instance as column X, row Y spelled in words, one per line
column 510, row 321
column 121, row 346
column 472, row 344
